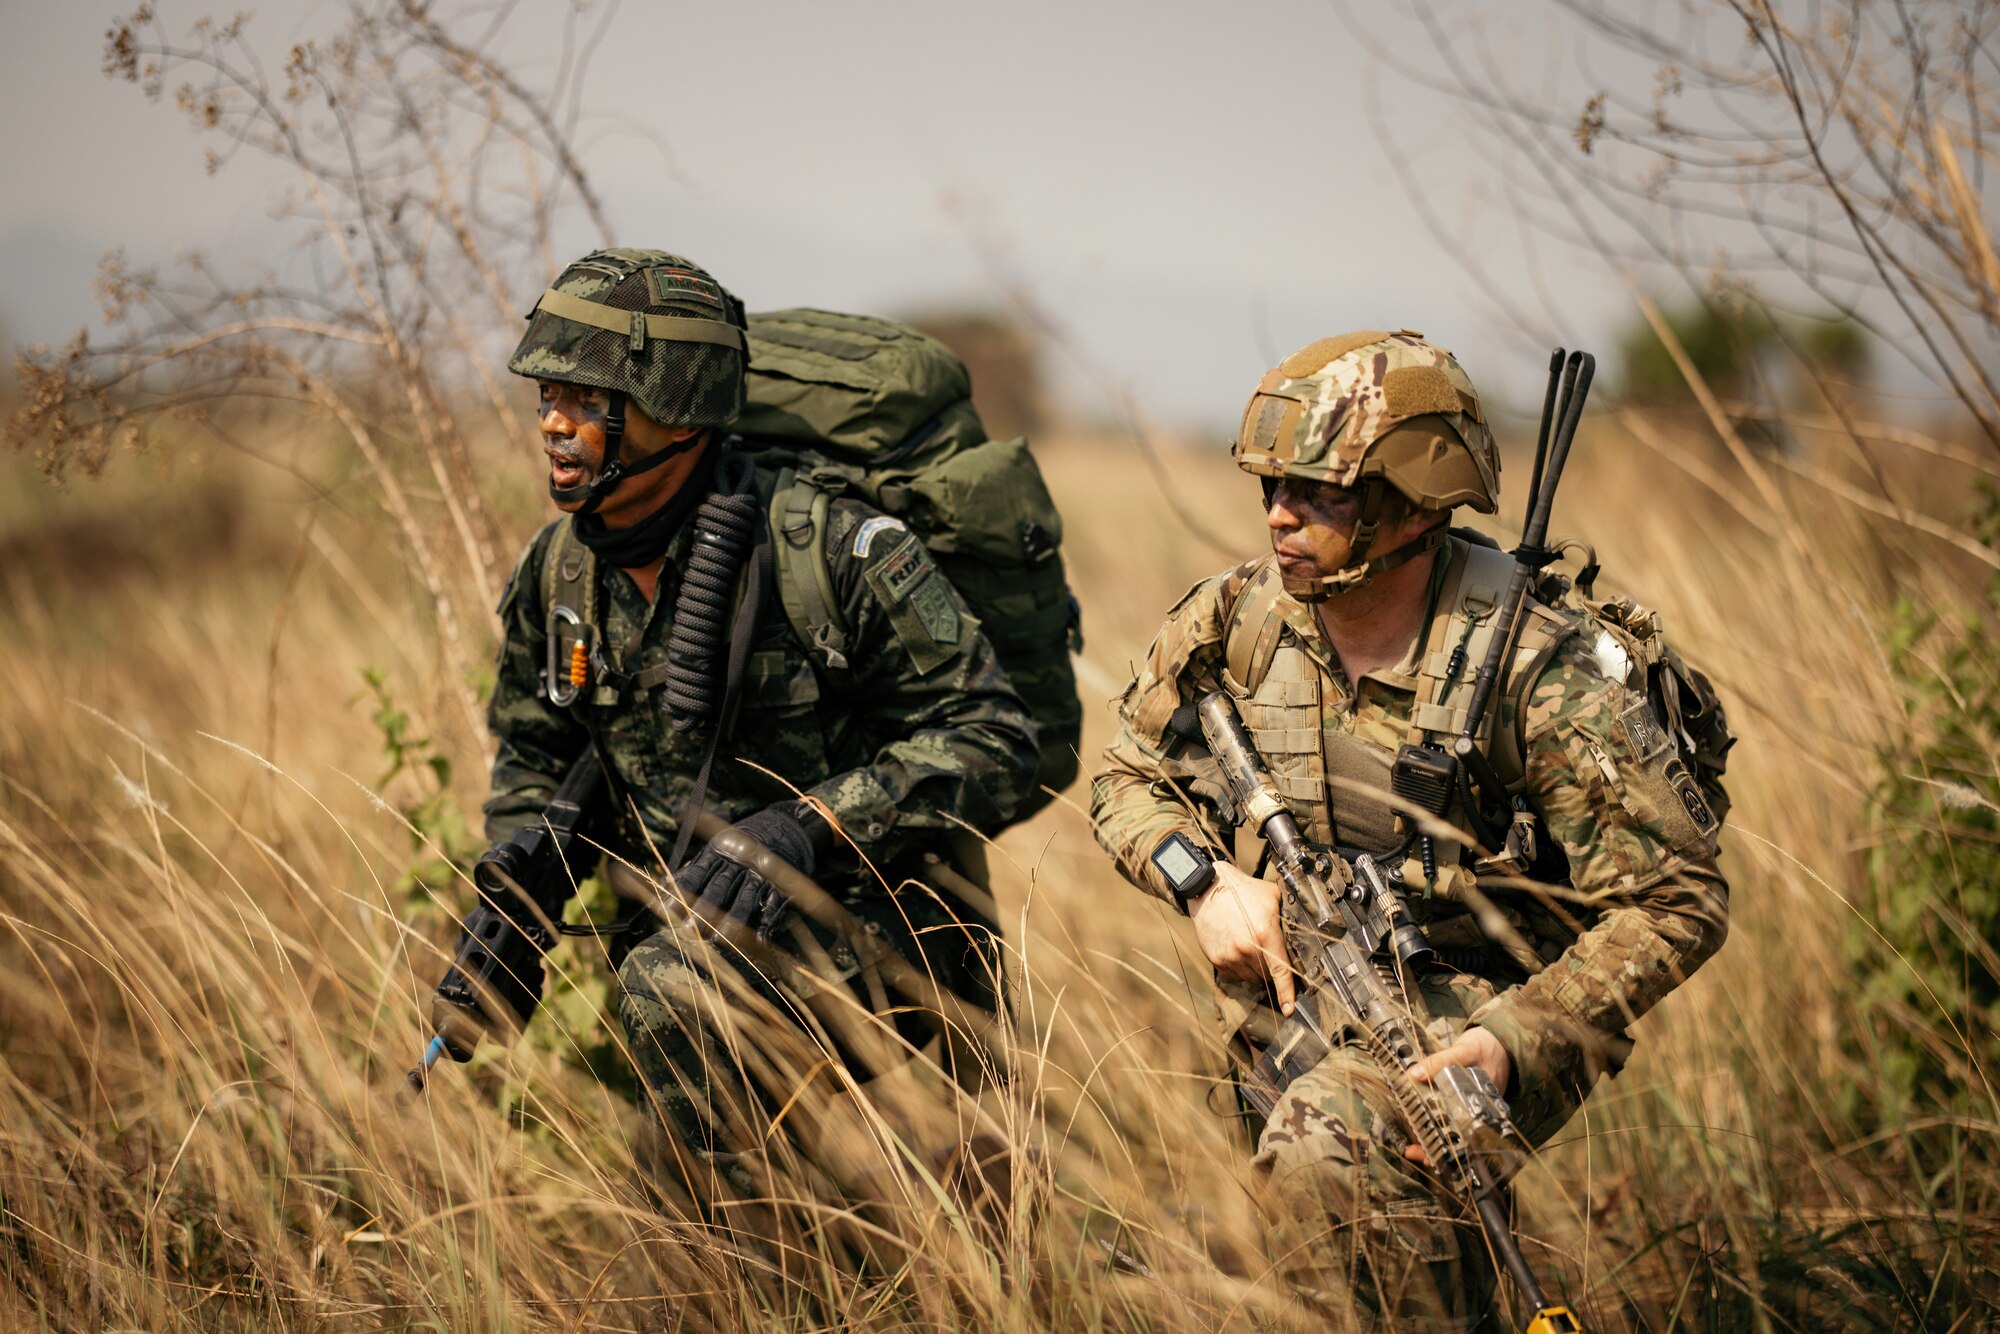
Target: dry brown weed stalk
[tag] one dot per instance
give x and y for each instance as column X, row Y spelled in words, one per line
column 425, row 187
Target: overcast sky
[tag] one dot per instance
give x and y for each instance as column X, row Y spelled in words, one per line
column 1195, row 189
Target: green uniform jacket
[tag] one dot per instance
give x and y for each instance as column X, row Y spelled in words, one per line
column 922, row 734
column 1647, row 905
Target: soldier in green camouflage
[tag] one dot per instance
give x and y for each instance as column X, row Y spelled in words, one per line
column 850, row 776
column 1356, row 635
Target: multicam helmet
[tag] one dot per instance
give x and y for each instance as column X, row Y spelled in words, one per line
column 646, row 324
column 1368, row 410
column 1374, row 404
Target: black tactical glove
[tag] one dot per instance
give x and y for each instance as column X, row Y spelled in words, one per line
column 794, row 831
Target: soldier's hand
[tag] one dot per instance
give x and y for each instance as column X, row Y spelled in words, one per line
column 1237, row 925
column 791, row 830
column 1475, row 1048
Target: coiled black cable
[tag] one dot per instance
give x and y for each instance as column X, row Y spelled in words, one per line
column 725, row 529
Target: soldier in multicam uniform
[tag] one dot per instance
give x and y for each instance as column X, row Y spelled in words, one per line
column 850, row 777
column 1357, row 634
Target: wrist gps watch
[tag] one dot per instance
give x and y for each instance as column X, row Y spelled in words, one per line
column 1189, row 871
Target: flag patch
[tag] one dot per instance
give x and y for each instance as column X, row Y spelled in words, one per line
column 864, row 536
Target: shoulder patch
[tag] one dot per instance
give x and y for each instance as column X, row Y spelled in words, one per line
column 1641, row 731
column 1615, row 733
column 1706, row 821
column 901, row 569
column 924, row 613
column 1613, row 663
column 865, row 535
column 934, row 608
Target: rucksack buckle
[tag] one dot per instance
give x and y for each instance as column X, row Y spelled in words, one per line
column 1521, row 846
column 1037, row 542
column 831, row 645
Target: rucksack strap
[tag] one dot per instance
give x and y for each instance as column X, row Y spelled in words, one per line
column 569, row 600
column 799, row 506
column 569, row 592
column 1458, row 640
column 1251, row 636
column 1510, row 743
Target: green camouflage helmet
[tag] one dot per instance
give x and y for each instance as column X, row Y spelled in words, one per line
column 644, row 323
column 1374, row 404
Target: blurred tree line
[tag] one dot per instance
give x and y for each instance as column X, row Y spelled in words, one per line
column 1741, row 347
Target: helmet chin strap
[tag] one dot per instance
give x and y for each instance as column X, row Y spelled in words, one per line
column 1359, row 569
column 1352, row 575
column 615, row 470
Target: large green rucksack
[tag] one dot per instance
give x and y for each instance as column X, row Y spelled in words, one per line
column 875, row 409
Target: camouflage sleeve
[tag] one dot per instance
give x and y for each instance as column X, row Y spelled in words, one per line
column 951, row 743
column 537, row 742
column 1640, row 839
column 1151, row 785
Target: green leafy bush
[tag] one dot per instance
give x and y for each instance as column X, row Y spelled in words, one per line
column 442, row 848
column 1931, row 998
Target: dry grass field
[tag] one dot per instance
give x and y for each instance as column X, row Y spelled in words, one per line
column 220, row 920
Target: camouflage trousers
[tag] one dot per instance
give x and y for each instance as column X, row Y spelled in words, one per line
column 730, row 1040
column 1360, row 1232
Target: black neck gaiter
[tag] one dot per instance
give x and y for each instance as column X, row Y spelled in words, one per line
column 647, row 540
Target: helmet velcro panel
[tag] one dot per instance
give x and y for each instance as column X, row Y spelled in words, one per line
column 644, row 323
column 1268, row 438
column 678, row 284
column 1314, row 356
column 1411, row 391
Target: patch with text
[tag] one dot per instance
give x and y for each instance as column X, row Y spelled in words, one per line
column 902, row 568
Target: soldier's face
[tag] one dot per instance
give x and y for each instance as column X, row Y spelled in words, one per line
column 572, row 419
column 572, row 422
column 1312, row 525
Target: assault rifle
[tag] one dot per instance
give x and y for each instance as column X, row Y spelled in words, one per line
column 1363, row 953
column 496, row 977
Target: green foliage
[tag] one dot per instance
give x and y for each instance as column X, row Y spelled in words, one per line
column 574, row 1025
column 1728, row 338
column 1721, row 344
column 577, row 1023
column 1932, row 996
column 442, row 848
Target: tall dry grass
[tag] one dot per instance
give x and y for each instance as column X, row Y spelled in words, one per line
column 226, row 860
column 212, row 971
